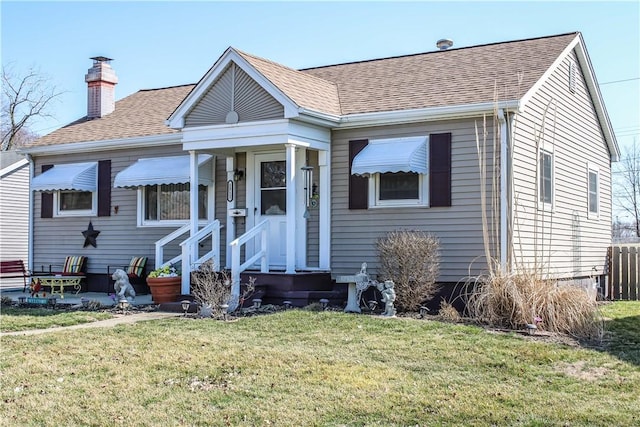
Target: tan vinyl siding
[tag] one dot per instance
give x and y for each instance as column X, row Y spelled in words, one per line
column 459, row 227
column 234, row 91
column 565, row 242
column 14, row 218
column 120, row 238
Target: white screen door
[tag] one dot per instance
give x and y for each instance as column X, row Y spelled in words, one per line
column 271, row 203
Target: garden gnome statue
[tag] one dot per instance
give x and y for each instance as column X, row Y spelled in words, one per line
column 388, row 297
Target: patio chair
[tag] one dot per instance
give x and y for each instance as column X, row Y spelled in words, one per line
column 74, row 265
column 136, row 270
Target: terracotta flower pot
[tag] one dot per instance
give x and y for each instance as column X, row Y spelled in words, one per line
column 164, row 289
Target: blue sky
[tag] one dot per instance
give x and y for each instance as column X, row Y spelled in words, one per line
column 159, row 44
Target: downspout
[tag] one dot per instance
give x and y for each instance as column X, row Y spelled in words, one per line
column 30, row 222
column 504, row 191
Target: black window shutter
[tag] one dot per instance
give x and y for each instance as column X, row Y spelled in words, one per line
column 104, row 188
column 440, row 169
column 358, row 185
column 46, row 206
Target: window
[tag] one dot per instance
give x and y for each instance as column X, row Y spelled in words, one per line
column 398, row 188
column 593, row 197
column 169, row 203
column 75, row 203
column 545, row 176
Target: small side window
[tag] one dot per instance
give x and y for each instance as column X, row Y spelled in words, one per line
column 593, row 195
column 545, row 180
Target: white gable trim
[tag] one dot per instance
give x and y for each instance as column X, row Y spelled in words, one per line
column 176, row 120
column 594, row 91
column 13, row 167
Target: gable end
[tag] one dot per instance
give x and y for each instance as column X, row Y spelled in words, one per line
column 234, row 91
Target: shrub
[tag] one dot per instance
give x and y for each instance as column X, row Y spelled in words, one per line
column 213, row 288
column 412, row 260
column 513, row 300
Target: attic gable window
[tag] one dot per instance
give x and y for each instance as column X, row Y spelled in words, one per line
column 572, row 77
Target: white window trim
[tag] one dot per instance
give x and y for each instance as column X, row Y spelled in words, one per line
column 172, row 223
column 57, row 212
column 545, row 206
column 374, row 194
column 593, row 168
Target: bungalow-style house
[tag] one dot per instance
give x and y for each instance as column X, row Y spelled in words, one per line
column 14, row 211
column 297, row 173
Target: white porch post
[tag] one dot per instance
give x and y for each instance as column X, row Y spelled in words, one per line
column 231, row 223
column 193, row 219
column 324, row 206
column 291, row 208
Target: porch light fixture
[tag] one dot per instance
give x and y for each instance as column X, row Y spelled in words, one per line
column 238, row 174
column 185, row 306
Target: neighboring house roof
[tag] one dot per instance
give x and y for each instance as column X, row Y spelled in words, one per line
column 478, row 75
column 10, row 158
column 16, row 164
column 140, row 114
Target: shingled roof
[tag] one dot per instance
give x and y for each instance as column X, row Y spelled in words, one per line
column 460, row 76
column 140, row 114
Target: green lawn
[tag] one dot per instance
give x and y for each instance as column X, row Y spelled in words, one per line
column 301, row 368
column 21, row 319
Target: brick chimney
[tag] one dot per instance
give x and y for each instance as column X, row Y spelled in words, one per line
column 101, row 84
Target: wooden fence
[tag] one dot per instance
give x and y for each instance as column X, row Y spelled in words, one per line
column 624, row 274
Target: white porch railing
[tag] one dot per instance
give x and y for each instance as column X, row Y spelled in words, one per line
column 261, row 253
column 160, row 244
column 190, row 253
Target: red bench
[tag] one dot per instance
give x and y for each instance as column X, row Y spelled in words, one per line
column 14, row 269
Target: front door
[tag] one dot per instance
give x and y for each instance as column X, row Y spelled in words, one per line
column 271, row 203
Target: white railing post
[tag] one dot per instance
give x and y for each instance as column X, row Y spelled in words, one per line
column 264, row 262
column 261, row 253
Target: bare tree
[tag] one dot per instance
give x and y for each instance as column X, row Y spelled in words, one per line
column 24, row 99
column 627, row 184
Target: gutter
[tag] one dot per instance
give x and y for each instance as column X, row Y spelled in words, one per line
column 417, row 115
column 504, row 188
column 108, row 144
column 30, row 221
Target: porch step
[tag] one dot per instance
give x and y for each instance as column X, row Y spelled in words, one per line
column 302, row 288
column 302, row 281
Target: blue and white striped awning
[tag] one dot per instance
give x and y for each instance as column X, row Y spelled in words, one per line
column 392, row 155
column 73, row 176
column 163, row 170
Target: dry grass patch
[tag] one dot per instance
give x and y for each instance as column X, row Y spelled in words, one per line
column 513, row 300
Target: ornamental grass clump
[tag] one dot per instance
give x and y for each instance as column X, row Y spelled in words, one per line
column 412, row 260
column 514, row 300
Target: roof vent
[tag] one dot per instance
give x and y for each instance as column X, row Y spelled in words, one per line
column 444, row 44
